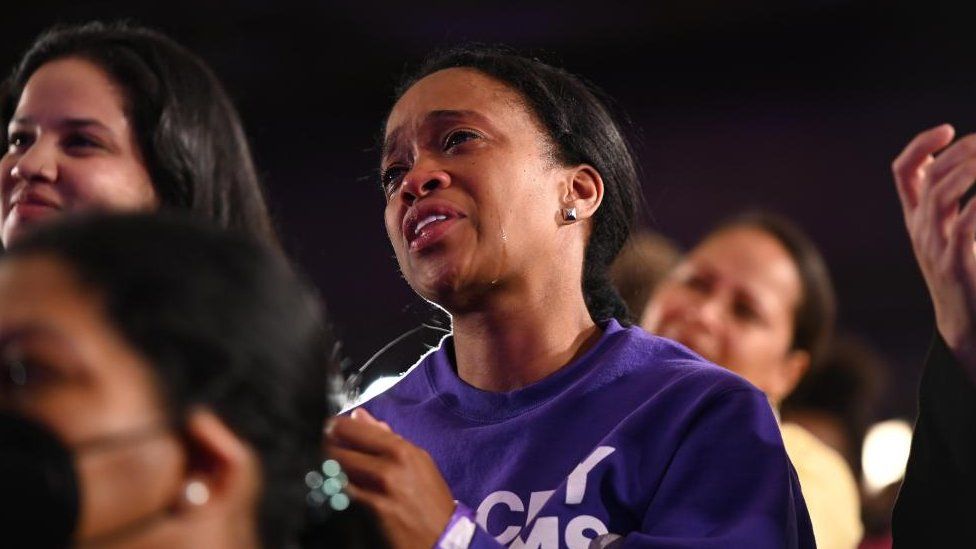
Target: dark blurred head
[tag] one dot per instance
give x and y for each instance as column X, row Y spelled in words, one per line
column 754, row 296
column 119, row 117
column 183, row 354
column 546, row 128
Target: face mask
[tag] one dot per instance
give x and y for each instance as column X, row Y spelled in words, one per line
column 39, row 495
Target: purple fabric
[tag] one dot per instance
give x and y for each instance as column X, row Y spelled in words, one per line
column 639, row 442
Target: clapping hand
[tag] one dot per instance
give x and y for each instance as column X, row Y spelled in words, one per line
column 930, row 185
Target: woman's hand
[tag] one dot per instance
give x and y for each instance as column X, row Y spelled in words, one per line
column 398, row 481
column 930, row 188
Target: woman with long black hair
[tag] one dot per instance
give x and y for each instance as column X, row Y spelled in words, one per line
column 121, row 118
column 543, row 420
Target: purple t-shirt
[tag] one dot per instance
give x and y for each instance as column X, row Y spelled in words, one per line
column 638, row 443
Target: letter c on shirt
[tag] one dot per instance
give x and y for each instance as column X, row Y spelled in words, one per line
column 507, row 499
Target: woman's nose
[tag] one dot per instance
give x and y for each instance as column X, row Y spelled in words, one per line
column 421, row 181
column 706, row 311
column 37, row 163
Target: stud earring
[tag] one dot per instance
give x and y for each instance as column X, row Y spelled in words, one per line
column 196, row 493
column 569, row 214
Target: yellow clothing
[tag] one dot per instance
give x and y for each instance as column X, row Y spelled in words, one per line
column 828, row 488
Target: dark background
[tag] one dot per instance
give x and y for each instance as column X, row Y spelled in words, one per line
column 736, row 103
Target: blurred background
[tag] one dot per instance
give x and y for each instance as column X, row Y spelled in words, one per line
column 798, row 108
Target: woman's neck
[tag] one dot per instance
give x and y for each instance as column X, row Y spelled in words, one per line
column 518, row 340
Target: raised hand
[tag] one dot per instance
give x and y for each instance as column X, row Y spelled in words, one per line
column 930, row 185
column 398, row 481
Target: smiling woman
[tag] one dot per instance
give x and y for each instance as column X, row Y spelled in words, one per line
column 71, row 147
column 121, row 118
column 543, row 420
column 754, row 296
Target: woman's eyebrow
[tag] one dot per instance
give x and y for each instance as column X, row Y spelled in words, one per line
column 389, row 143
column 46, row 335
column 21, row 335
column 27, row 331
column 77, row 123
column 756, row 298
column 22, row 121
column 433, row 117
column 451, row 113
column 68, row 122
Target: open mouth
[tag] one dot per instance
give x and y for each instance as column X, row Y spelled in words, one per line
column 427, row 224
column 429, row 220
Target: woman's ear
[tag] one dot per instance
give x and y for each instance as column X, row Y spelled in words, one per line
column 222, row 471
column 584, row 191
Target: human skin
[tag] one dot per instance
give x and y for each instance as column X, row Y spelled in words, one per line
column 98, row 395
column 72, row 148
column 931, row 177
column 499, row 257
column 733, row 300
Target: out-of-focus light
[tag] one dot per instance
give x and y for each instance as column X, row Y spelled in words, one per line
column 885, row 453
column 331, row 467
column 339, row 502
column 378, row 387
column 313, row 480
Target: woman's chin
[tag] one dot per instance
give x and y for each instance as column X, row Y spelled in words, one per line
column 439, row 288
column 452, row 281
column 22, row 220
column 13, row 231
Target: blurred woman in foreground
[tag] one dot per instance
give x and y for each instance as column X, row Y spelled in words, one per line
column 163, row 385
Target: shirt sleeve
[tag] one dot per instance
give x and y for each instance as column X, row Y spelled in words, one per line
column 730, row 484
column 936, row 497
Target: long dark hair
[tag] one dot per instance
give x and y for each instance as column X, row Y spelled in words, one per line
column 224, row 323
column 582, row 129
column 188, row 131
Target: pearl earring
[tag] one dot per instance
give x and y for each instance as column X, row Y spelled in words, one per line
column 196, row 493
column 569, row 214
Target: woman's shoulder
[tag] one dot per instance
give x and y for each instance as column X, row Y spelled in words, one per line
column 412, row 386
column 648, row 359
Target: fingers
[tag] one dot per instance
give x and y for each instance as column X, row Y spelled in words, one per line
column 958, row 152
column 942, row 199
column 363, row 470
column 907, row 167
column 366, row 497
column 364, row 415
column 963, row 243
column 949, row 191
column 365, row 436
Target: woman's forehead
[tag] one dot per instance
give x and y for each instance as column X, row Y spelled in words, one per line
column 754, row 258
column 41, row 286
column 76, row 87
column 457, row 89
